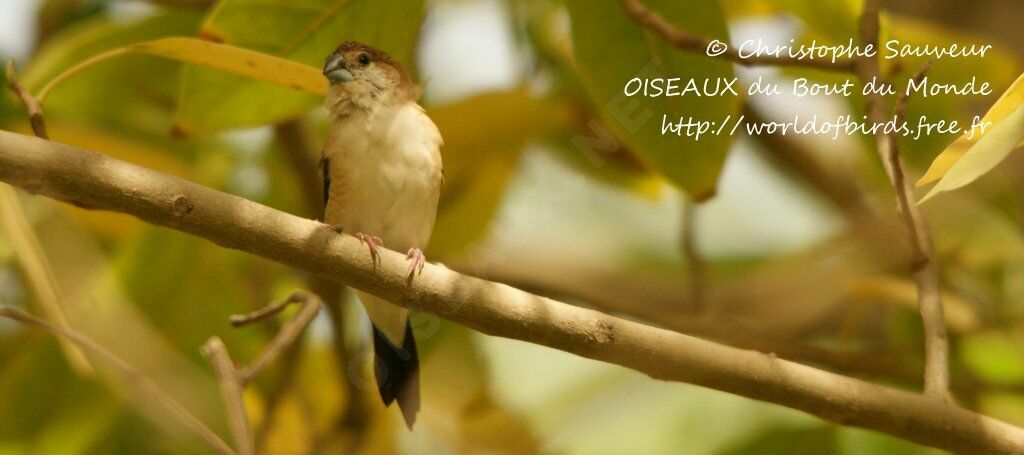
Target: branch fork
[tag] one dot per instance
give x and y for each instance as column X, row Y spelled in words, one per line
column 233, row 380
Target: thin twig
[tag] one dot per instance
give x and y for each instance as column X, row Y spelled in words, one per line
column 231, row 387
column 309, row 306
column 34, row 110
column 924, row 266
column 699, row 44
column 233, row 380
column 129, row 372
column 240, row 320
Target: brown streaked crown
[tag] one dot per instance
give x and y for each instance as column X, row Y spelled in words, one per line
column 352, row 49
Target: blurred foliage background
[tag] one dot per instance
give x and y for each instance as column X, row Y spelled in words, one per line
column 553, row 185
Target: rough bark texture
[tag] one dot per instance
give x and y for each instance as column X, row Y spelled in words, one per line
column 96, row 181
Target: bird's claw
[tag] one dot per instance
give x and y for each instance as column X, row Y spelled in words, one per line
column 418, row 260
column 374, row 243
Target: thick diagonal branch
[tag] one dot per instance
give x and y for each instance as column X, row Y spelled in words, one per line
column 96, row 181
column 231, row 387
column 923, row 264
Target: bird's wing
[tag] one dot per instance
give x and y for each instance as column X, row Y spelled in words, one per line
column 325, row 173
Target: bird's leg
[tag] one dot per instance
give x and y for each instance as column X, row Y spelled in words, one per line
column 418, row 259
column 374, row 243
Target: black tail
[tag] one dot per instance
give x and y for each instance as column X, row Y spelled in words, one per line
column 397, row 372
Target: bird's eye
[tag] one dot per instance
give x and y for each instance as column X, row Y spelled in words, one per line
column 364, row 59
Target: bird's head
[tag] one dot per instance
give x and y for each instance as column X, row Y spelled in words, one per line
column 360, row 72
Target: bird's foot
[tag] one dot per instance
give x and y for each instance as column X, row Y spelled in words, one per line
column 374, row 243
column 418, row 259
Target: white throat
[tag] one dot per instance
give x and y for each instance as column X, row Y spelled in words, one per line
column 344, row 100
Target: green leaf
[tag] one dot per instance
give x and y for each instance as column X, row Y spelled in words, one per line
column 992, row 356
column 788, row 440
column 303, row 31
column 836, row 20
column 77, row 426
column 611, row 49
column 154, row 267
column 990, row 150
column 99, row 35
column 134, row 92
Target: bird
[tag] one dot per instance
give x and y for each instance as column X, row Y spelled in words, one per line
column 382, row 175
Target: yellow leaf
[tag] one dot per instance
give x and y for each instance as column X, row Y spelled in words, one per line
column 985, row 155
column 1006, row 105
column 302, row 31
column 243, row 62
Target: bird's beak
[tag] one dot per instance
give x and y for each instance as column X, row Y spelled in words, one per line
column 336, row 71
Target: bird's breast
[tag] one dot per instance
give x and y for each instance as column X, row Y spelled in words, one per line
column 385, row 176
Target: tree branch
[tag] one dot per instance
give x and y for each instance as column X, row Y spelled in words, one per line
column 96, row 181
column 309, row 306
column 923, row 264
column 32, row 107
column 233, row 380
column 699, row 44
column 231, row 387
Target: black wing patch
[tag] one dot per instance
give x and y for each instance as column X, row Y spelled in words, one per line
column 325, row 173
